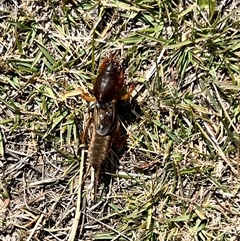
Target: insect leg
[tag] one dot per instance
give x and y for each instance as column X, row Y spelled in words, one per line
column 128, row 95
column 87, row 97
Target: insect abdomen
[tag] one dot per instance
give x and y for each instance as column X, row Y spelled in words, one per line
column 99, row 149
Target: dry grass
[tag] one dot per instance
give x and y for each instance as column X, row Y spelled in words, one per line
column 179, row 176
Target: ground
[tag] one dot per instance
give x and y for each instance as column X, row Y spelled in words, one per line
column 177, row 176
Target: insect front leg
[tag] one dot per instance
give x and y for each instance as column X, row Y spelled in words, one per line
column 87, row 97
column 78, row 92
column 128, row 95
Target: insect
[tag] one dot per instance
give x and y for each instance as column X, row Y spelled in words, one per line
column 104, row 120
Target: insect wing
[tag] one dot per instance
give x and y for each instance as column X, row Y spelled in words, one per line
column 104, row 116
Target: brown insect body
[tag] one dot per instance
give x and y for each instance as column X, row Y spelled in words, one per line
column 106, row 126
